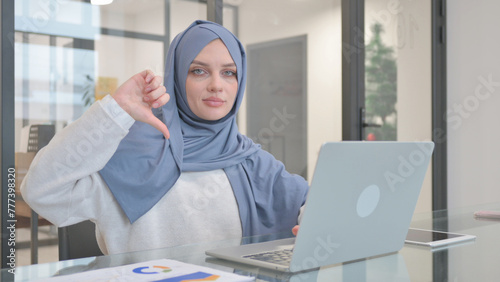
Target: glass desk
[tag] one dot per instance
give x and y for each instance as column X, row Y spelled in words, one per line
column 473, row 261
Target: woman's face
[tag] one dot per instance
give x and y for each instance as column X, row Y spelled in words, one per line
column 211, row 83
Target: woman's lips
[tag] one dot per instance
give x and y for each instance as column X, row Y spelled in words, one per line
column 213, row 101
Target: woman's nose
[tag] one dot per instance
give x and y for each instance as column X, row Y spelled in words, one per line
column 215, row 84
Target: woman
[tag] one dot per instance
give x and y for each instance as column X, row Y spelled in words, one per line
column 155, row 170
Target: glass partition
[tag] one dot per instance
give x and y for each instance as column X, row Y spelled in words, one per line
column 143, row 16
column 398, row 70
column 69, row 54
column 398, row 82
column 184, row 12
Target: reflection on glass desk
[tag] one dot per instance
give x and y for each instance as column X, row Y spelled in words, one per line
column 473, row 261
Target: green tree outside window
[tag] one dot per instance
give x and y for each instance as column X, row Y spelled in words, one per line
column 381, row 87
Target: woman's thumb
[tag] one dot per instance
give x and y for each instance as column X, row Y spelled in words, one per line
column 158, row 124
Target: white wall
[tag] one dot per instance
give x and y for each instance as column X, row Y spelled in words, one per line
column 473, row 102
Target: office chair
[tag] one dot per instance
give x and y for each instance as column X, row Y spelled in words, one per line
column 78, row 241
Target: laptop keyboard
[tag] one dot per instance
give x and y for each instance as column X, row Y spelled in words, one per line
column 281, row 257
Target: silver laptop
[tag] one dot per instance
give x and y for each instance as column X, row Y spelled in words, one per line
column 360, row 204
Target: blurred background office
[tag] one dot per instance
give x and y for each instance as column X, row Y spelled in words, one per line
column 70, row 53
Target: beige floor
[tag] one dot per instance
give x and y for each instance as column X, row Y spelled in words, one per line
column 45, row 253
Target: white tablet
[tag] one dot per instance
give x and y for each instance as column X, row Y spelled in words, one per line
column 435, row 239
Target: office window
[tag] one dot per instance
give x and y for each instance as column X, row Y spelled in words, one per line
column 70, row 53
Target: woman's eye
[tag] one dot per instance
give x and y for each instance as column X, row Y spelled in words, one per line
column 198, row 71
column 229, row 73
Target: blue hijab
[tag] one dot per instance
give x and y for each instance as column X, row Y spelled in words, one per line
column 146, row 165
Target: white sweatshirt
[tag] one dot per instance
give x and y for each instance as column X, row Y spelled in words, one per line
column 63, row 185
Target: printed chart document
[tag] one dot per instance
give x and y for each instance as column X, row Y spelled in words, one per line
column 156, row 270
